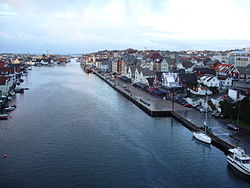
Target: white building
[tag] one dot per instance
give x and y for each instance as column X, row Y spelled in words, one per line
column 226, row 81
column 164, row 66
column 103, row 65
column 223, row 58
column 170, row 80
column 209, row 81
column 144, row 74
column 239, row 58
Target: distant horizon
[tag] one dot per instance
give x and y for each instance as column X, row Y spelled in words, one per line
column 80, row 53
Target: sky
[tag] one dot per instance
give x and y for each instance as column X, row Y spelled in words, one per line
column 82, row 26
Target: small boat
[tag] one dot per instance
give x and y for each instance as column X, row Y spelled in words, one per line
column 239, row 160
column 202, row 137
column 9, row 108
column 12, row 93
column 19, row 90
column 88, row 70
column 4, row 116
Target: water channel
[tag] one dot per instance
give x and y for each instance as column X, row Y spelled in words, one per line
column 71, row 129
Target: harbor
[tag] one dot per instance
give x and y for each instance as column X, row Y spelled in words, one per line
column 89, row 129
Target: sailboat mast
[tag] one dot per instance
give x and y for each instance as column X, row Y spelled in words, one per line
column 205, row 122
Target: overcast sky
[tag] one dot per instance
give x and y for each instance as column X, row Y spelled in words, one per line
column 79, row 26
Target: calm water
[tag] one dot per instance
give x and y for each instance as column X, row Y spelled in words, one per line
column 72, row 130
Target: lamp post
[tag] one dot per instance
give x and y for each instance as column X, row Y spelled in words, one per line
column 238, row 116
column 173, row 99
column 232, row 114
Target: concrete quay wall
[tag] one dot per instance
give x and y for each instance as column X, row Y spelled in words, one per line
column 134, row 100
column 216, row 141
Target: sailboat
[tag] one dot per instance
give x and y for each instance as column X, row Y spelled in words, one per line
column 202, row 136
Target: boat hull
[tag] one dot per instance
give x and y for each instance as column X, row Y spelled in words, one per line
column 202, row 137
column 3, row 116
column 234, row 165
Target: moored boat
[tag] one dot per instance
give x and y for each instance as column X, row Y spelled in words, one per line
column 202, row 137
column 238, row 159
column 4, row 116
column 88, row 70
column 9, row 108
column 19, row 90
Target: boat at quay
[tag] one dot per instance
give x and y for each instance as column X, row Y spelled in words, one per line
column 239, row 160
column 202, row 136
column 4, row 116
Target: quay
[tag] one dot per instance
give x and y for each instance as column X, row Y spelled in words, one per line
column 161, row 108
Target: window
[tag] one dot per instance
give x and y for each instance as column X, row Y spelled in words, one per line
column 247, row 161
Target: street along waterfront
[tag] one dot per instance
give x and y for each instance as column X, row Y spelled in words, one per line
column 73, row 130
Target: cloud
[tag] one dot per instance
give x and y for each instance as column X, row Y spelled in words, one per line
column 120, row 23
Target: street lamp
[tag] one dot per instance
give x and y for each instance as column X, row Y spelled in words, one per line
column 232, row 114
column 238, row 116
column 173, row 99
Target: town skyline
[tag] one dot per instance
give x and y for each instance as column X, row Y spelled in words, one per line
column 88, row 26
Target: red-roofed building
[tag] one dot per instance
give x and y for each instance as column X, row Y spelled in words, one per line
column 154, row 55
column 226, row 70
column 2, row 63
column 4, row 85
column 3, row 80
column 7, row 70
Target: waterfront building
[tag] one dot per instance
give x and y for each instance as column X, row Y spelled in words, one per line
column 102, row 65
column 4, row 86
column 131, row 72
column 116, row 65
column 146, row 74
column 169, row 80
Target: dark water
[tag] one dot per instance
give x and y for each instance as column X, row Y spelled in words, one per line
column 72, row 130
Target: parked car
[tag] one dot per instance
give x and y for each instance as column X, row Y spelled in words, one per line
column 218, row 114
column 232, row 127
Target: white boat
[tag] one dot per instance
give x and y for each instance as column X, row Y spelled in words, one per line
column 12, row 93
column 202, row 136
column 9, row 108
column 239, row 160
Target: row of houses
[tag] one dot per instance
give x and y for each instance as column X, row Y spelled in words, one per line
column 166, row 69
column 10, row 74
